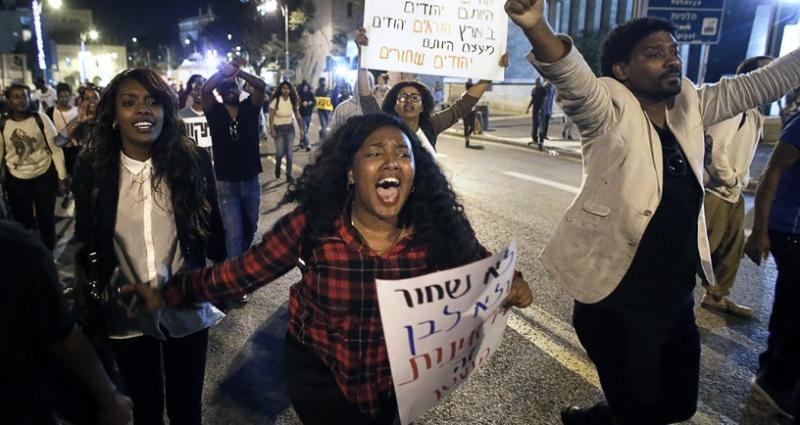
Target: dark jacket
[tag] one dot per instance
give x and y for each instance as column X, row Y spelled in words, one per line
column 96, row 214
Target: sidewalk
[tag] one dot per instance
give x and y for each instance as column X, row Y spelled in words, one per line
column 515, row 130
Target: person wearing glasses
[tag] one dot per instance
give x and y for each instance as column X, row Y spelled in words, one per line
column 413, row 102
column 630, row 246
column 235, row 137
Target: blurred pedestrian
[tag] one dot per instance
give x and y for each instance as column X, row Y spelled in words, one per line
column 234, row 125
column 352, row 105
column 546, row 112
column 324, row 107
column 285, row 107
column 307, row 105
column 776, row 230
column 345, row 235
column 37, row 332
column 438, row 96
column 734, row 143
column 185, row 97
column 631, row 244
column 44, row 97
column 538, row 95
column 381, row 88
column 193, row 112
column 469, row 118
column 146, row 207
column 33, row 165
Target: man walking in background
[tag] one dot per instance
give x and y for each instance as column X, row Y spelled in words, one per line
column 733, row 144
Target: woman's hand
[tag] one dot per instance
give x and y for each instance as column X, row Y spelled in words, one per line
column 504, row 60
column 149, row 299
column 274, row 133
column 361, row 38
column 520, row 294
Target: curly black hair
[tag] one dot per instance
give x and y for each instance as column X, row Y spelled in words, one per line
column 432, row 208
column 176, row 158
column 619, row 44
column 390, row 101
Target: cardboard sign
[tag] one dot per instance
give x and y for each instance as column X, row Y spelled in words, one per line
column 455, row 38
column 197, row 128
column 441, row 327
column 324, row 104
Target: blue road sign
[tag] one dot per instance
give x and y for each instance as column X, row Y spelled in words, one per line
column 696, row 21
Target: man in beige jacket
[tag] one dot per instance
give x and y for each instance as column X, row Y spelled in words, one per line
column 734, row 143
column 631, row 244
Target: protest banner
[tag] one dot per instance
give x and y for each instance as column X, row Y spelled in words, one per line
column 454, row 38
column 197, row 129
column 441, row 327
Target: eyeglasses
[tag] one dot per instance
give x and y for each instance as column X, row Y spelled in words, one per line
column 234, row 130
column 406, row 98
column 676, row 161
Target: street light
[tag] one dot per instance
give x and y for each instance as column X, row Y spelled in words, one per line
column 93, row 35
column 270, row 6
column 56, row 4
column 134, row 40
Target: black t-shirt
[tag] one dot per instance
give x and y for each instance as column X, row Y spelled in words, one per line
column 667, row 258
column 235, row 160
column 33, row 313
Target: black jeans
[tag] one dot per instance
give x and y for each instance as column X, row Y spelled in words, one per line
column 315, row 396
column 780, row 363
column 647, row 357
column 181, row 372
column 39, row 194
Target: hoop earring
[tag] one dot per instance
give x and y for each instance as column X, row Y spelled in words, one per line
column 114, row 125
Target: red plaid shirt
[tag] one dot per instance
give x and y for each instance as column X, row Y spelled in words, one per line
column 333, row 310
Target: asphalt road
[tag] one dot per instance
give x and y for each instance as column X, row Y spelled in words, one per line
column 508, row 193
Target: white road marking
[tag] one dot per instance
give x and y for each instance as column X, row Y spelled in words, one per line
column 544, row 182
column 574, row 358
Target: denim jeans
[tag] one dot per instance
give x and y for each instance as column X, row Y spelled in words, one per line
column 324, row 118
column 306, row 124
column 238, row 203
column 283, row 146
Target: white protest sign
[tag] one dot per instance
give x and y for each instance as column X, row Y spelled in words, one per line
column 197, row 128
column 441, row 327
column 455, row 38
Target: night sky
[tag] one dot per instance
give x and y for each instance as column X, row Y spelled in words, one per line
column 120, row 20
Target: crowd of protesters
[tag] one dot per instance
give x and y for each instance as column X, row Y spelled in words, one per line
column 165, row 222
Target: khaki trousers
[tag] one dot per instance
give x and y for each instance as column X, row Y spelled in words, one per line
column 725, row 223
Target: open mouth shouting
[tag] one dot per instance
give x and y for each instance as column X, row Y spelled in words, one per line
column 388, row 190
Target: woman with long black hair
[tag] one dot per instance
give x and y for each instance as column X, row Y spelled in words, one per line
column 373, row 205
column 146, row 206
column 284, row 112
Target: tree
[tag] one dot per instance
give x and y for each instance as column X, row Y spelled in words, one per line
column 590, row 44
column 258, row 39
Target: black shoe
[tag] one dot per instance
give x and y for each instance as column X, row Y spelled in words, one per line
column 780, row 400
column 290, row 179
column 308, row 148
column 574, row 415
column 277, row 171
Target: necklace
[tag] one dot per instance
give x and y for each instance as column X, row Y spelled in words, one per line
column 388, row 248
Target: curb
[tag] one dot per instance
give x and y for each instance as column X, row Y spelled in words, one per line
column 504, row 141
column 750, row 189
